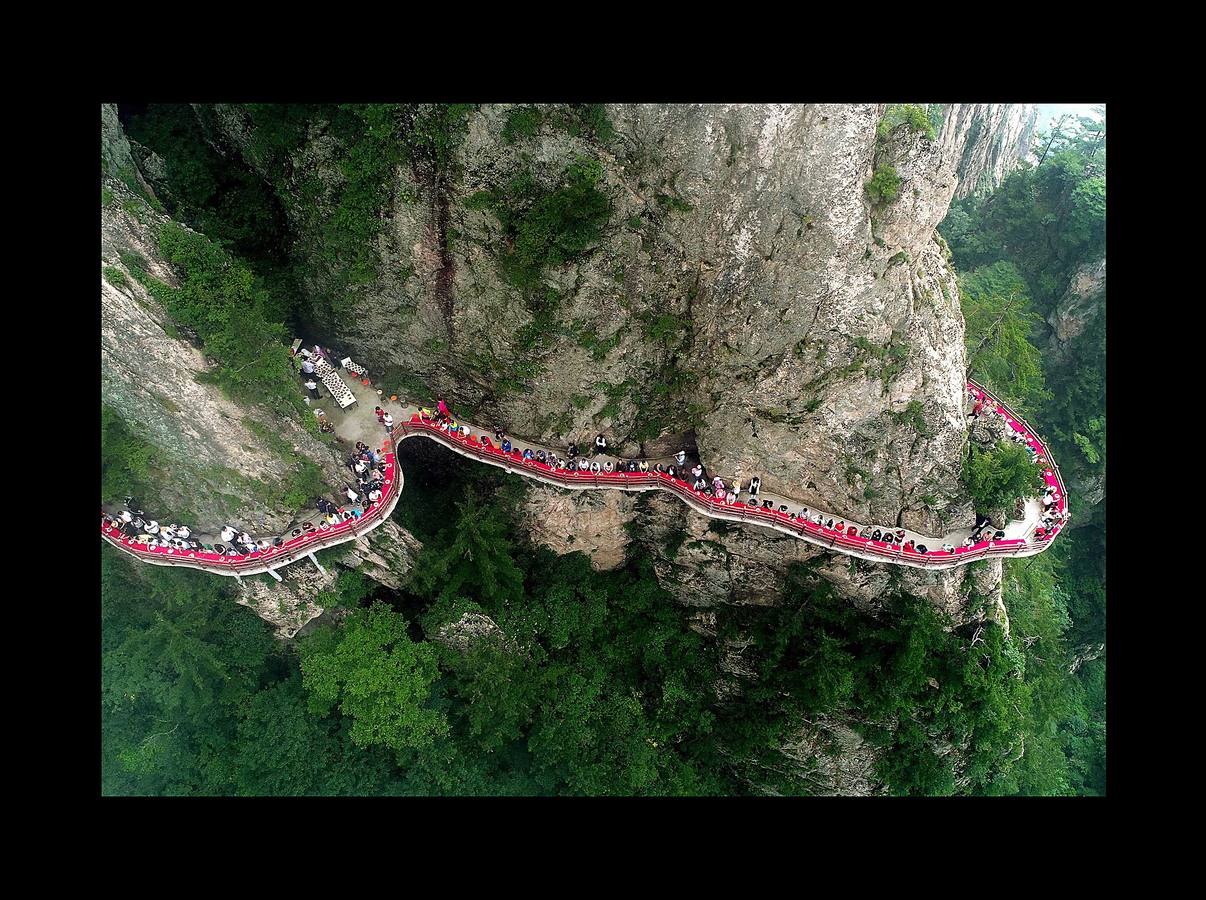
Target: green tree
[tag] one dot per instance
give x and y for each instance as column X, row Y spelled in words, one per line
column 884, row 185
column 996, row 478
column 377, row 676
column 1000, row 323
column 476, row 559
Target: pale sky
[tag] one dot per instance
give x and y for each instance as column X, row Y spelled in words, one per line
column 1049, row 112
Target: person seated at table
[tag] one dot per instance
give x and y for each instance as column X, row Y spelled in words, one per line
column 426, row 414
column 817, row 518
column 595, row 467
column 607, row 466
column 908, row 545
column 464, row 432
column 671, row 471
column 657, row 468
column 782, row 507
column 851, row 531
column 698, row 484
column 527, row 454
column 643, row 466
column 717, row 485
column 169, row 531
column 876, row 535
column 865, row 531
column 583, row 465
column 969, row 541
column 948, row 548
column 540, row 455
column 840, row 526
column 151, row 527
column 506, row 445
column 560, row 463
column 485, row 438
column 922, row 548
column 768, row 504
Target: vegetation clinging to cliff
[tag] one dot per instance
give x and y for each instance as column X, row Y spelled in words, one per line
column 546, row 227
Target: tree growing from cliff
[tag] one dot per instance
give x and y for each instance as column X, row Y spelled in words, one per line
column 1000, row 320
column 884, row 184
column 996, row 478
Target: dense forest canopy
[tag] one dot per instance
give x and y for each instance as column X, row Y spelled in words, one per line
column 596, row 683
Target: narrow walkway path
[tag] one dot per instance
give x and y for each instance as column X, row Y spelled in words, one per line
column 1022, row 537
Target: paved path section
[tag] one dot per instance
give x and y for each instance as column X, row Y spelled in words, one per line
column 1022, row 537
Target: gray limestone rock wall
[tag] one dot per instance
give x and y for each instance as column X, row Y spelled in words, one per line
column 999, row 136
column 809, row 335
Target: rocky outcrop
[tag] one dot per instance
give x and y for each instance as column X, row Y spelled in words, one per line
column 587, row 521
column 468, row 629
column 1081, row 302
column 998, row 136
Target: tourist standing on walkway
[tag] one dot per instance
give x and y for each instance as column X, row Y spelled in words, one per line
column 600, row 443
column 443, row 408
column 388, row 421
column 312, row 387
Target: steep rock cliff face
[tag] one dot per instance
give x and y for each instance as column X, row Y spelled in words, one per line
column 149, row 376
column 218, row 452
column 797, row 330
column 999, row 137
column 1081, row 302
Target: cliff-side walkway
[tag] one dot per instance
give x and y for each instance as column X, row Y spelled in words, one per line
column 1022, row 537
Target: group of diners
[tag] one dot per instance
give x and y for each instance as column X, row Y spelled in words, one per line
column 134, row 524
column 980, row 407
column 1053, row 514
column 368, row 467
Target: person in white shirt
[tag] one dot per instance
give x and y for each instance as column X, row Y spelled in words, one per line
column 152, row 527
column 681, row 457
column 388, row 421
column 351, row 494
column 126, row 516
column 374, row 495
column 228, row 533
column 183, row 532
